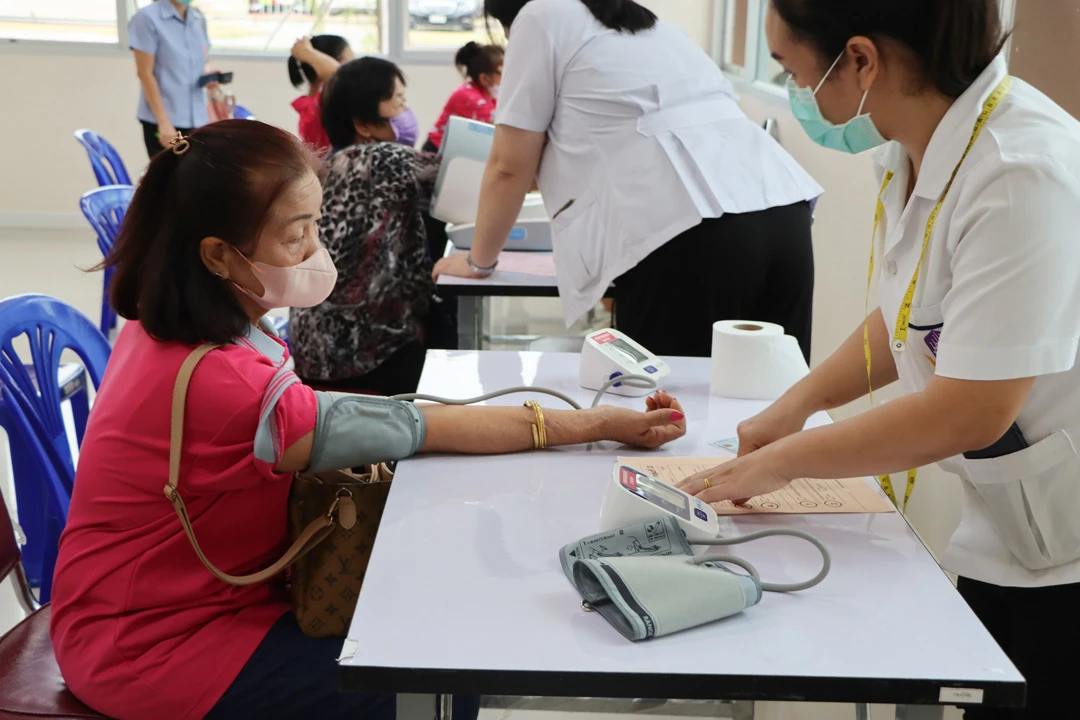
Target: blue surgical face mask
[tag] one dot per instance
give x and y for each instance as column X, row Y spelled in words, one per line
column 856, row 135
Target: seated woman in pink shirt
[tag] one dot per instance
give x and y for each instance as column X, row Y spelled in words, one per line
column 223, row 227
column 476, row 99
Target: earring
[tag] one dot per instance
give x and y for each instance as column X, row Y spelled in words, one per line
column 218, row 276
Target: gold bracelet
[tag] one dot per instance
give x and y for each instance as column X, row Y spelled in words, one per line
column 539, row 430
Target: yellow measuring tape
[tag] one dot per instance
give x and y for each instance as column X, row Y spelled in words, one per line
column 903, row 319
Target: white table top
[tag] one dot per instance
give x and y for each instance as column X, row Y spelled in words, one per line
column 464, row 591
column 501, row 282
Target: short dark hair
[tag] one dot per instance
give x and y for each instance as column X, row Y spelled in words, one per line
column 223, row 186
column 479, row 59
column 952, row 40
column 620, row 15
column 354, row 93
column 332, row 45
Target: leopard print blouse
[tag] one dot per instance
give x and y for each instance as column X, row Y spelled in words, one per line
column 372, row 226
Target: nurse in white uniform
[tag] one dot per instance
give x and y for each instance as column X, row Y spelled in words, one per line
column 652, row 175
column 976, row 254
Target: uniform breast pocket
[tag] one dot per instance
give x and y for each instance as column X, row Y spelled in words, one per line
column 1033, row 496
column 924, row 329
column 580, row 236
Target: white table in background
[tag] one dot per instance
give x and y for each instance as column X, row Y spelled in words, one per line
column 464, row 593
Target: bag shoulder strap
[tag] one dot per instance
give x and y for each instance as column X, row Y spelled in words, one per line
column 312, row 535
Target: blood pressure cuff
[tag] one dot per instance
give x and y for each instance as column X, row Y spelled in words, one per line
column 642, row 579
column 356, row 430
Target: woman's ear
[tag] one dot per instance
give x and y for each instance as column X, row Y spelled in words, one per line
column 215, row 253
column 867, row 60
column 364, row 131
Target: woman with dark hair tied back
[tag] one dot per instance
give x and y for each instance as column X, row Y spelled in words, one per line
column 476, row 99
column 977, row 310
column 649, row 170
column 223, row 227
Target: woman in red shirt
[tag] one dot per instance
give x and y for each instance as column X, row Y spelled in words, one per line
column 482, row 66
column 223, row 226
column 314, row 60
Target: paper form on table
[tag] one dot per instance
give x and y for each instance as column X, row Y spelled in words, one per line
column 803, row 496
column 527, row 263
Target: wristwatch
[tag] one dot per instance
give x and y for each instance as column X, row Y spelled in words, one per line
column 481, row 271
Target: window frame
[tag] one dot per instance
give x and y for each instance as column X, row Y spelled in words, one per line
column 393, row 17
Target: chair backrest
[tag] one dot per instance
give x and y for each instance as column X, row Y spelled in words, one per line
column 50, row 327
column 53, row 498
column 104, row 208
column 108, row 167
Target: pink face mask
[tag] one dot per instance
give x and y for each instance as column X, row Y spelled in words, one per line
column 304, row 285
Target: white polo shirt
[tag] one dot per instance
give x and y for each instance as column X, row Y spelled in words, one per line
column 998, row 298
column 645, row 139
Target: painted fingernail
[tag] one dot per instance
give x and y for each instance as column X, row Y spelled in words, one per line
column 677, row 416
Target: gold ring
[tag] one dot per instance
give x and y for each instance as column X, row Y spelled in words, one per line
column 707, row 483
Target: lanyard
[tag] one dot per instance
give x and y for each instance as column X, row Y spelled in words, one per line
column 903, row 319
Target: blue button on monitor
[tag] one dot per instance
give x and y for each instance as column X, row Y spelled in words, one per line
column 701, row 514
column 650, row 369
column 613, row 376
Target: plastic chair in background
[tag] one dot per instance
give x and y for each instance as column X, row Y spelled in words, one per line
column 108, row 167
column 104, row 208
column 32, row 399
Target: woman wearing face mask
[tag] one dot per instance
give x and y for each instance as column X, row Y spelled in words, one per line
column 222, row 227
column 171, row 47
column 652, row 176
column 476, row 99
column 976, row 262
column 372, row 333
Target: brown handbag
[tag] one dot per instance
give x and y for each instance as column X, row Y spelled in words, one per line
column 333, row 518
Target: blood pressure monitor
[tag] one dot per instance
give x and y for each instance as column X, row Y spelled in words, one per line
column 609, row 354
column 632, row 496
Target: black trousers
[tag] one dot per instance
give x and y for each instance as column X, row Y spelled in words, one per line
column 398, row 374
column 293, row 676
column 150, row 137
column 750, row 266
column 1037, row 628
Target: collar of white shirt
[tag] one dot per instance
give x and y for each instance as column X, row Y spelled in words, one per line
column 949, row 139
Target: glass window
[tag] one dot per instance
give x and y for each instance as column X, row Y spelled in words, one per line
column 67, row 20
column 442, row 24
column 770, row 71
column 273, row 25
column 736, row 16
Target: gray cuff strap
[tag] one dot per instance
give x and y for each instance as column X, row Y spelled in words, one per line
column 356, row 430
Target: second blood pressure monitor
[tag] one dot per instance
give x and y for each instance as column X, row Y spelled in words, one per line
column 609, row 354
column 632, row 496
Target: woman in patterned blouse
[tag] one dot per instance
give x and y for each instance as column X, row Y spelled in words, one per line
column 369, row 335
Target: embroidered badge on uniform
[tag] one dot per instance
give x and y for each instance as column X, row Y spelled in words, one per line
column 932, row 339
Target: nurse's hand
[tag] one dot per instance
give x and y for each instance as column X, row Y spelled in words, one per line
column 454, row 265
column 663, row 422
column 737, row 480
column 774, row 423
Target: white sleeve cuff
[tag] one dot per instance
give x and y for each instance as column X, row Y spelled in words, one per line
column 979, row 363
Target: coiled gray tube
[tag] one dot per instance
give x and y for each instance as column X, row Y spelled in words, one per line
column 639, row 381
column 826, row 560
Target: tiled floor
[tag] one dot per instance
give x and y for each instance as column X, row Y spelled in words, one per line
column 22, row 271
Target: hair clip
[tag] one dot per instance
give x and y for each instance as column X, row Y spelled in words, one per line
column 179, row 144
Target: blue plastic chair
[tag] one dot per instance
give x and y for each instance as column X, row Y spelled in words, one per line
column 31, row 403
column 104, row 208
column 242, row 113
column 108, row 167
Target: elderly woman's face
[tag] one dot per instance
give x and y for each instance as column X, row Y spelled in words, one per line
column 396, row 104
column 290, row 235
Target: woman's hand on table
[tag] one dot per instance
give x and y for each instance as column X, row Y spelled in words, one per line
column 455, row 265
column 662, row 422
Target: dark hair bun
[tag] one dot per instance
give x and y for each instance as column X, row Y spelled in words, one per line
column 467, row 54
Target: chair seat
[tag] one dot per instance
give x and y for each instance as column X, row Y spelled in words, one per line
column 30, row 682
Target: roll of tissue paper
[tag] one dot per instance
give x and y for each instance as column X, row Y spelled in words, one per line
column 754, row 360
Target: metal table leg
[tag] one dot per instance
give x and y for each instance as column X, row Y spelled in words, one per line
column 920, row 712
column 470, row 322
column 417, row 707
column 862, row 711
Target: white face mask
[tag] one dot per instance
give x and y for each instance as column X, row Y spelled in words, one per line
column 494, row 92
column 304, row 285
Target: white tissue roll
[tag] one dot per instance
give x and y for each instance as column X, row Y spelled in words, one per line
column 754, row 360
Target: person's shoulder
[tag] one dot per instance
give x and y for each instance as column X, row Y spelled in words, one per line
column 305, row 104
column 553, row 15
